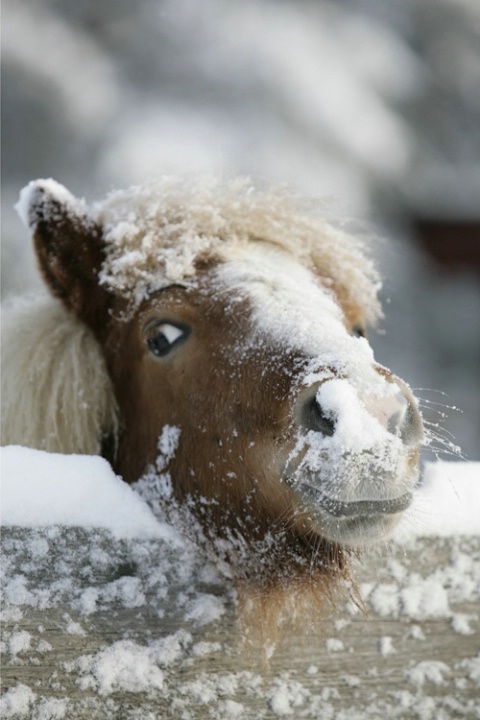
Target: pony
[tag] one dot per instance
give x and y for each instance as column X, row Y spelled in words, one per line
column 209, row 339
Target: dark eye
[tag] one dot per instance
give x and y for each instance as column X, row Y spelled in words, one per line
column 164, row 336
column 359, row 331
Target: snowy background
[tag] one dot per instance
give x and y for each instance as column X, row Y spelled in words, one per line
column 372, row 104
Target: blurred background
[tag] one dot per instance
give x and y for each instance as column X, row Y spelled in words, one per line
column 373, row 105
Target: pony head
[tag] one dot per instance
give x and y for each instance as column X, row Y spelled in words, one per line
column 230, row 326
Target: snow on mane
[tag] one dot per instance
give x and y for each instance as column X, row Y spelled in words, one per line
column 155, row 235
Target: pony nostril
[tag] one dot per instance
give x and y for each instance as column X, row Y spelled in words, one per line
column 395, row 422
column 411, row 428
column 406, row 424
column 313, row 418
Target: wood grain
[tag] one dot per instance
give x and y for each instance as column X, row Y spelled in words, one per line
column 391, row 662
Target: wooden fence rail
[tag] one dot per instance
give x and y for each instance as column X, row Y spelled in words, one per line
column 97, row 627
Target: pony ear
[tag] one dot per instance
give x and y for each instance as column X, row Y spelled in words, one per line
column 69, row 249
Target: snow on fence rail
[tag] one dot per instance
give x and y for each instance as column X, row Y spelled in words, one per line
column 108, row 613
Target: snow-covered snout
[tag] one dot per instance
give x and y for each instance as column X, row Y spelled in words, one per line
column 354, row 464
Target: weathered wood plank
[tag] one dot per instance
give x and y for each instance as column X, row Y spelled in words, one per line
column 103, row 628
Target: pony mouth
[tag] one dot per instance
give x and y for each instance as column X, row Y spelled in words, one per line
column 357, row 523
column 310, row 492
column 357, row 532
column 354, row 523
column 364, row 508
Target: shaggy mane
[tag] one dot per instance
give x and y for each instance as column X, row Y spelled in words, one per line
column 156, row 234
column 56, row 392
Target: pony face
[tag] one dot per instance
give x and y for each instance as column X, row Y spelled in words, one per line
column 284, row 419
column 191, row 368
column 356, row 426
column 240, row 369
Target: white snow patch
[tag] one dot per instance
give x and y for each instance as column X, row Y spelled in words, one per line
column 127, row 591
column 419, row 598
column 44, row 646
column 200, row 692
column 286, row 696
column 205, row 648
column 416, row 633
column 72, row 627
column 334, row 645
column 205, row 609
column 87, row 603
column 280, row 701
column 352, row 680
column 167, row 445
column 428, row 671
column 25, row 206
column 424, row 598
column 385, row 646
column 384, row 599
column 445, row 502
column 17, row 701
column 294, row 310
column 231, row 710
column 19, row 642
column 124, row 666
column 171, row 648
column 11, row 614
column 472, row 668
column 461, row 623
column 52, row 709
column 42, row 489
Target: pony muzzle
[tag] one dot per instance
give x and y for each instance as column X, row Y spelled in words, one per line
column 355, row 463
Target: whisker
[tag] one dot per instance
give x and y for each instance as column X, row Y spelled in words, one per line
column 429, row 406
column 439, row 440
column 440, row 392
column 438, row 433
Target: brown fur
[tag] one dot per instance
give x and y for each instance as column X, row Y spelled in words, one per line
column 226, row 431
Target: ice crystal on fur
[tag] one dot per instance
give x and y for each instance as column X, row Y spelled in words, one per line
column 157, row 233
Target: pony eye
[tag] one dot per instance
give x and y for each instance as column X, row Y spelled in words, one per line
column 162, row 338
column 358, row 331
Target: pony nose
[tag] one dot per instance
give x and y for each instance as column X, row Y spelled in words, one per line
column 397, row 413
column 314, row 418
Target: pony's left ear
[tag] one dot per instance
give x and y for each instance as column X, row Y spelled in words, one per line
column 69, row 248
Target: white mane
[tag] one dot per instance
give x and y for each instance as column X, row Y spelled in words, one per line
column 56, row 393
column 156, row 233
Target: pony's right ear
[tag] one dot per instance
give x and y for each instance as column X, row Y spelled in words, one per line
column 69, row 248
